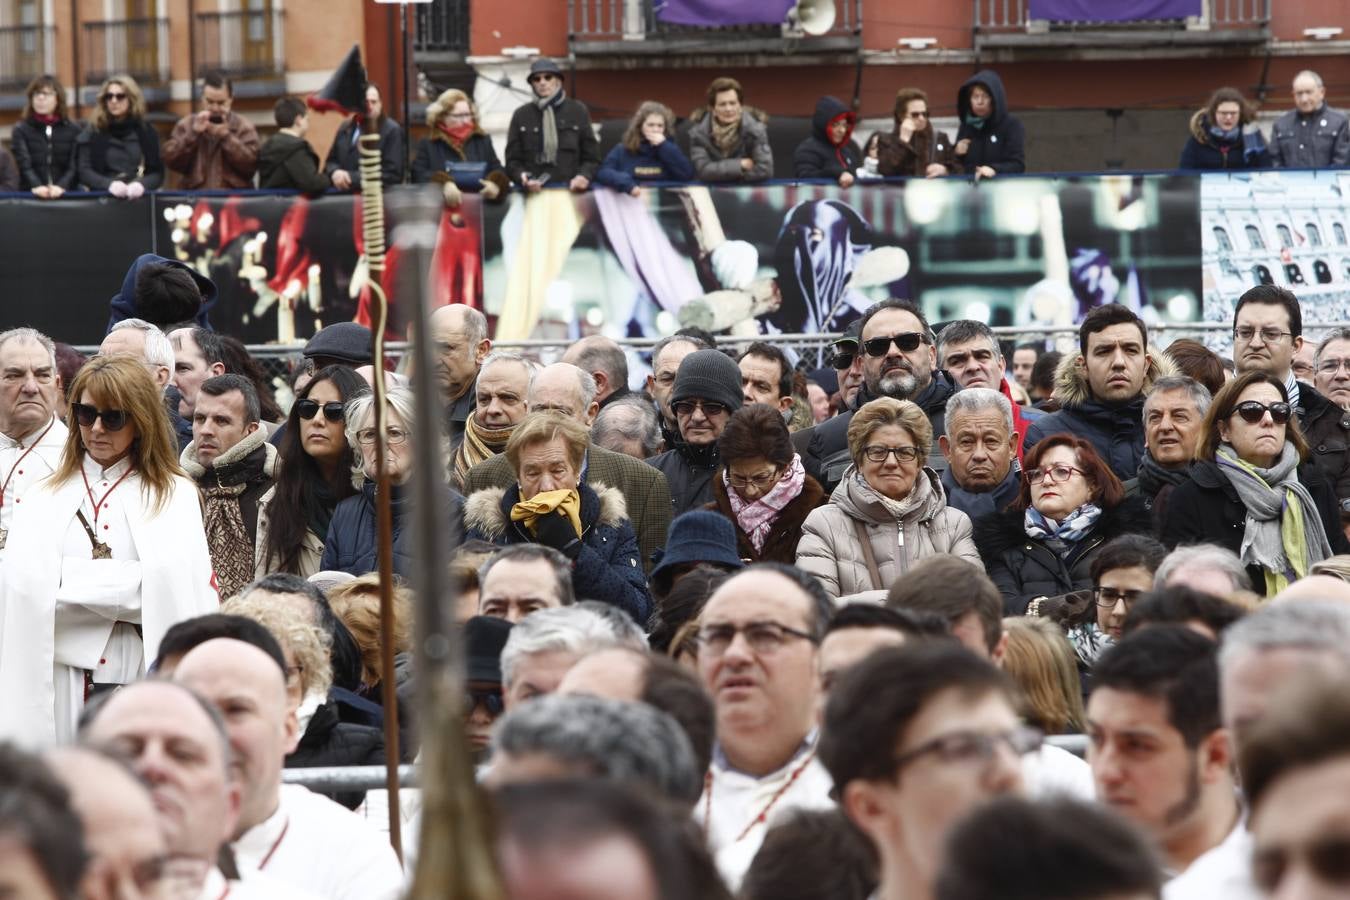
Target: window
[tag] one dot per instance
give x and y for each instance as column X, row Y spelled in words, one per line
column 1221, row 237
column 1294, row 274
column 1254, row 238
column 1286, row 236
column 1338, row 230
column 1262, row 275
column 1314, row 235
column 1321, row 271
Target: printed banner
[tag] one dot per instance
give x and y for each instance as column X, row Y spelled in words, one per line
column 717, row 13
column 1111, row 10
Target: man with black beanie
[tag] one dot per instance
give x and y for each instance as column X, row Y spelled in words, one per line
column 707, row 391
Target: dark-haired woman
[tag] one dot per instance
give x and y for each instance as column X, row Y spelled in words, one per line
column 762, row 487
column 315, row 475
column 44, row 141
column 1252, row 491
column 119, row 151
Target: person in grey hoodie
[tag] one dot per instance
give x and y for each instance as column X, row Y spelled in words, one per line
column 729, row 141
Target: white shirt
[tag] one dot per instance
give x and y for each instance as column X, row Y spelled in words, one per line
column 1221, row 873
column 318, row 845
column 22, row 464
column 1055, row 772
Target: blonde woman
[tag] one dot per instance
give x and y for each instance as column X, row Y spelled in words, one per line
column 1041, row 660
column 119, row 151
column 458, row 151
column 647, row 152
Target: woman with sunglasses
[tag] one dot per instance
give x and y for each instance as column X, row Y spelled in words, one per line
column 1251, row 490
column 351, row 542
column 314, row 476
column 888, row 511
column 102, row 558
column 1043, row 546
column 119, row 151
column 761, row 486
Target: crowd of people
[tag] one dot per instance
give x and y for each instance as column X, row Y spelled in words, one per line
column 552, row 138
column 722, row 635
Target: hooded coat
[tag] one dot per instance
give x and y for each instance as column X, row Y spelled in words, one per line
column 289, row 162
column 817, row 157
column 1205, row 151
column 711, row 165
column 124, row 306
column 786, row 530
column 999, row 143
column 831, row 547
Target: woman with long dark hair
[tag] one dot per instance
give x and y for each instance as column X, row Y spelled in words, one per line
column 315, row 475
column 44, row 140
column 119, row 151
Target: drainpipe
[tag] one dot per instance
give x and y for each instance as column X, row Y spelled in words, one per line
column 75, row 53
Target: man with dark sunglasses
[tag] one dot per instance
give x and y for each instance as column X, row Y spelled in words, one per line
column 550, row 139
column 707, row 391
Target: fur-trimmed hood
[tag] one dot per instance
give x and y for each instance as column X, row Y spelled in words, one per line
column 1003, row 531
column 489, row 511
column 1071, row 384
column 1200, row 127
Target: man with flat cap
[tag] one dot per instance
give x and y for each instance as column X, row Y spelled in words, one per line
column 340, row 344
column 550, row 139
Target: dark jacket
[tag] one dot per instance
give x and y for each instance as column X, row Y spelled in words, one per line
column 607, row 568
column 816, row 157
column 327, row 741
column 786, row 530
column 475, row 162
column 127, row 152
column 1316, row 141
column 711, row 164
column 999, row 143
column 623, row 169
column 1206, row 509
column 913, row 157
column 250, row 464
column 351, row 541
column 1204, row 151
column 123, row 304
column 824, row 447
column 1327, row 429
column 287, row 161
column 345, row 155
column 9, row 172
column 689, row 471
column 45, row 154
column 1025, row 568
column 578, row 147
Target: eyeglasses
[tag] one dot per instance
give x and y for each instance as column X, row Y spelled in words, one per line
column 1109, row 597
column 711, row 409
column 111, row 96
column 542, row 76
column 333, row 410
column 113, row 419
column 1253, row 412
column 972, row 748
column 764, row 638
column 759, row 482
column 392, row 436
column 1328, row 857
column 491, row 700
column 877, row 453
column 1058, row 474
column 905, row 342
column 1332, row 366
column 1268, row 335
column 460, row 116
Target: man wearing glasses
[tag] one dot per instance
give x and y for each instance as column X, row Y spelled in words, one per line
column 550, row 139
column 707, row 391
column 1267, row 333
column 1331, row 367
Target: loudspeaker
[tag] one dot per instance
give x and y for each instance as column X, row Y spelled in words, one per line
column 813, row 16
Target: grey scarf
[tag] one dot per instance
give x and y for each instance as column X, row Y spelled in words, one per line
column 550, row 125
column 1264, row 497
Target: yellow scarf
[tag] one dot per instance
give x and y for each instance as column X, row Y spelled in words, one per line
column 568, row 503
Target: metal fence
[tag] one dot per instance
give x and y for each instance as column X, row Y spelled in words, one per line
column 242, row 44
column 25, row 53
column 442, row 26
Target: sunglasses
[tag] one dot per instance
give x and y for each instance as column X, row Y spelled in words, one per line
column 710, row 409
column 333, row 410
column 843, row 357
column 111, row 97
column 1253, row 412
column 113, row 419
column 905, row 342
column 491, row 700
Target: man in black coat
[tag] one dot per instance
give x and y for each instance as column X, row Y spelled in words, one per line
column 343, row 165
column 888, row 371
column 707, row 391
column 551, row 138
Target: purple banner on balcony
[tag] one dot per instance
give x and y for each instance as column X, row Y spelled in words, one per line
column 715, row 13
column 1111, row 10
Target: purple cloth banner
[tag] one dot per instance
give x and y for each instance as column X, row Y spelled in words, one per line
column 714, row 13
column 1111, row 10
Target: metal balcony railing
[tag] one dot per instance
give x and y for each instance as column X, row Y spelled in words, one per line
column 135, row 47
column 619, row 26
column 442, row 26
column 1011, row 16
column 24, row 54
column 242, row 44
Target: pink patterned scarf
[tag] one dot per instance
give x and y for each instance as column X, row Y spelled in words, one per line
column 756, row 519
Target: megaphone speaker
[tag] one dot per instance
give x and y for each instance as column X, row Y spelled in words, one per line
column 815, row 16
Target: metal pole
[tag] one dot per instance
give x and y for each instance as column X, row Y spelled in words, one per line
column 407, row 123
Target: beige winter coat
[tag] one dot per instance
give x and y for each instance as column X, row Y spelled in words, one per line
column 830, row 549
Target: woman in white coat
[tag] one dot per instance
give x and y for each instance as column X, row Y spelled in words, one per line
column 103, row 557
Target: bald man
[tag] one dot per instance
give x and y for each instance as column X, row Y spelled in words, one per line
column 460, row 339
column 1316, row 587
column 604, row 359
column 288, row 833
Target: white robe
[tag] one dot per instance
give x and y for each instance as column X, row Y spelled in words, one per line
column 60, row 607
column 40, row 453
column 322, row 847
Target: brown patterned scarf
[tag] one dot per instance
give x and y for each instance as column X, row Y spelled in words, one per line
column 226, row 536
column 726, row 137
column 478, row 445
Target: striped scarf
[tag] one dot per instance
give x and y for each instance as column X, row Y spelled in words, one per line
column 479, row 444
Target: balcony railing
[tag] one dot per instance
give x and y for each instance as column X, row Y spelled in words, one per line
column 624, row 27
column 442, row 27
column 135, row 47
column 1008, row 23
column 242, row 44
column 24, row 54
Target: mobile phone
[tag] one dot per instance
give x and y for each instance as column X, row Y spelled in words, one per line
column 216, row 118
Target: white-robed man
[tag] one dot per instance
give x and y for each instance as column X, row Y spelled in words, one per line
column 31, row 435
column 103, row 557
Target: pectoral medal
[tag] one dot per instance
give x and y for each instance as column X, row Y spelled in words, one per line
column 102, row 550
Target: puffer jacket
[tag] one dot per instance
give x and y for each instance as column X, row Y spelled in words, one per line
column 817, row 157
column 1116, row 431
column 999, row 143
column 1317, row 141
column 1025, row 568
column 328, row 741
column 607, row 568
column 830, row 547
column 712, row 165
column 786, row 530
column 1204, row 151
column 45, row 154
column 351, row 541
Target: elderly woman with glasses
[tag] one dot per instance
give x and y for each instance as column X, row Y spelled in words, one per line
column 458, row 151
column 1252, row 490
column 119, row 151
column 1069, row 505
column 888, row 512
column 315, row 475
column 762, row 487
column 351, row 542
column 102, row 558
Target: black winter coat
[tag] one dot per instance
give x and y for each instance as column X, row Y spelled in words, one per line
column 689, row 473
column 350, row 545
column 816, row 157
column 289, row 162
column 1206, row 509
column 327, row 741
column 1025, row 568
column 999, row 144
column 1327, row 429
column 45, row 160
column 1116, row 432
column 345, row 155
column 477, row 162
column 578, row 147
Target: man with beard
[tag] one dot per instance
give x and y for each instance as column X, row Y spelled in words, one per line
column 1174, row 417
column 899, row 362
column 550, row 138
column 1159, row 752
